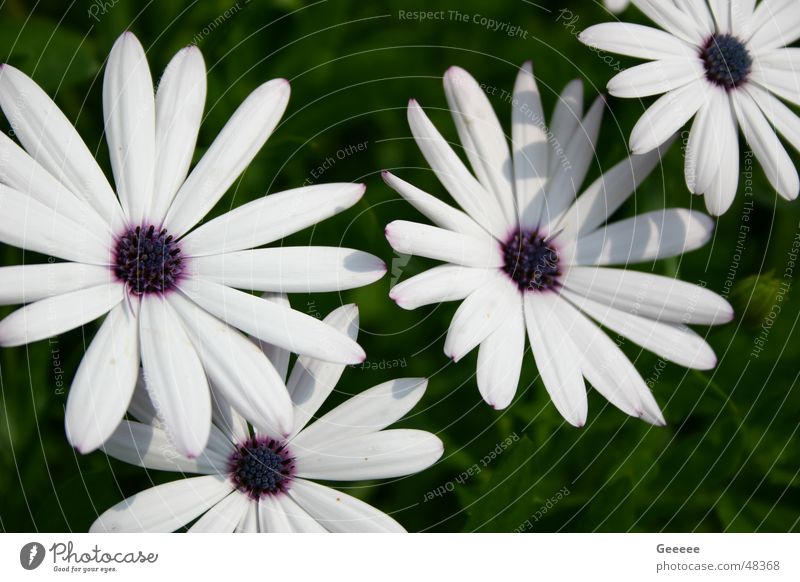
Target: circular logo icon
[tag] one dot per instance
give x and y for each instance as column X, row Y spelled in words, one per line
column 31, row 555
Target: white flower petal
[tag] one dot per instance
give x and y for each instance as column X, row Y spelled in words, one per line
column 365, row 413
column 224, row 516
column 291, row 269
column 271, row 218
column 767, row 10
column 453, row 174
column 656, row 77
column 238, row 369
column 606, row 194
column 227, row 157
column 674, row 342
column 277, row 355
column 721, row 192
column 276, row 324
column 500, row 361
column 140, row 407
column 784, row 119
column 649, row 295
column 166, row 507
column 282, row 515
column 721, row 10
column 482, row 137
column 645, row 237
column 439, row 284
column 438, row 212
column 382, row 455
column 566, row 182
column 782, row 60
column 49, row 317
column 54, row 143
column 480, row 314
column 174, row 376
column 104, row 382
column 566, row 117
column 783, row 84
column 28, row 224
column 22, row 173
column 742, row 17
column 443, row 245
column 714, row 141
column 271, row 517
column 150, row 447
column 667, row 115
column 557, row 358
column 227, row 425
column 29, row 283
column 249, row 521
column 776, row 23
column 635, row 40
column 312, row 380
column 698, row 11
column 529, row 136
column 695, row 174
column 339, row 512
column 607, row 368
column 180, row 99
column 616, row 6
column 669, row 17
column 129, row 111
column 769, row 151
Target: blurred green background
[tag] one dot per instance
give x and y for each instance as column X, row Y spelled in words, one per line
column 727, row 461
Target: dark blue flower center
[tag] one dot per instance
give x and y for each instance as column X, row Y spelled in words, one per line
column 148, row 260
column 530, row 261
column 727, row 60
column 261, row 466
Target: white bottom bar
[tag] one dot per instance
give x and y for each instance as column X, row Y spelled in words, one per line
column 461, row 557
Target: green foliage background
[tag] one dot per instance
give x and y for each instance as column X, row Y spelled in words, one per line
column 727, row 461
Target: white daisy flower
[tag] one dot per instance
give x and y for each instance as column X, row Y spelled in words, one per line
column 722, row 63
column 526, row 254
column 261, row 481
column 169, row 291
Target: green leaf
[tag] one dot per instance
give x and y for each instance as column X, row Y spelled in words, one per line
column 757, row 296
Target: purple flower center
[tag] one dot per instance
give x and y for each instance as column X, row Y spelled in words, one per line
column 531, row 261
column 261, row 466
column 727, row 60
column 148, row 260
